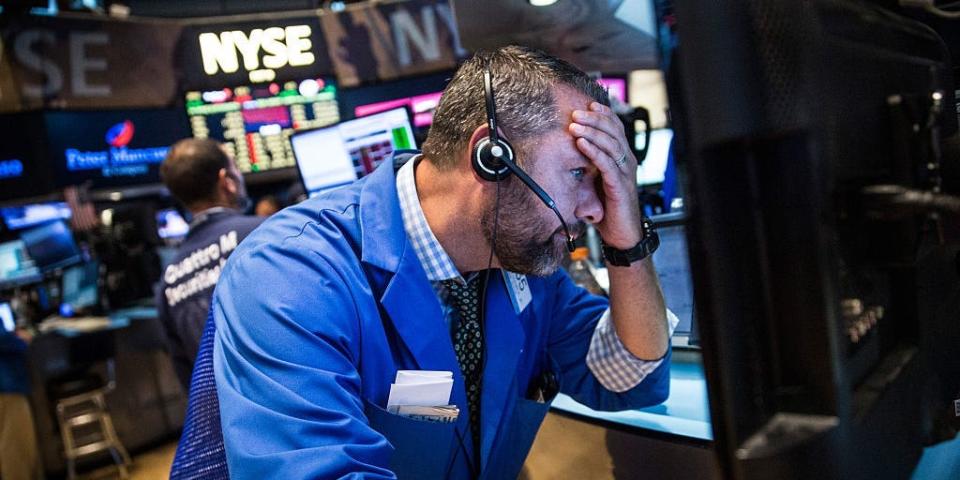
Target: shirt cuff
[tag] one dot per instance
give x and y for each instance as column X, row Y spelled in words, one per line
column 615, row 367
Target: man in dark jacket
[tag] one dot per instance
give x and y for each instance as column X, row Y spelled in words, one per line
column 202, row 177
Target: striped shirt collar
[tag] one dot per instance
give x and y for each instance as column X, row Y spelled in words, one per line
column 436, row 263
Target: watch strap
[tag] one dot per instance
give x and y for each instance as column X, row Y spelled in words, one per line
column 643, row 249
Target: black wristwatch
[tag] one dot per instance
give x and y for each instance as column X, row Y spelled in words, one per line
column 643, row 249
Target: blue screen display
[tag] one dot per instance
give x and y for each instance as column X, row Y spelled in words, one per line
column 16, row 266
column 23, row 216
column 51, row 246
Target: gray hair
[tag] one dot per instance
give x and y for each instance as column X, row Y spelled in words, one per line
column 523, row 82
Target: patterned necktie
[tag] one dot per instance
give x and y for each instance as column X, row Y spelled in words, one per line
column 468, row 344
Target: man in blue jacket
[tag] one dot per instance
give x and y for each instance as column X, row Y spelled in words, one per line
column 427, row 264
column 205, row 180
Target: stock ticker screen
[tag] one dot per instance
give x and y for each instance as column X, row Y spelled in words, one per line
column 255, row 122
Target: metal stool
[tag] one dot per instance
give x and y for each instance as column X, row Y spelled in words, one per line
column 86, row 426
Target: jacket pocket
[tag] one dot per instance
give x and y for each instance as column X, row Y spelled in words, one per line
column 520, row 433
column 421, row 449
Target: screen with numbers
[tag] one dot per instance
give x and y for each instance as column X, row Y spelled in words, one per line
column 255, row 122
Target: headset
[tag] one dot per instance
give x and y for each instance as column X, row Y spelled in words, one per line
column 493, row 157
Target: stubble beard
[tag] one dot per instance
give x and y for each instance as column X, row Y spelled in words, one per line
column 521, row 245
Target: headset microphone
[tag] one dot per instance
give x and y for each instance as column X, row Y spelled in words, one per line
column 493, row 158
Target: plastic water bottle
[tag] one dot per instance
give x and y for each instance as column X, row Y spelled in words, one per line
column 581, row 272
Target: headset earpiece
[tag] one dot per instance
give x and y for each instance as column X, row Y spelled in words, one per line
column 487, row 159
column 489, row 153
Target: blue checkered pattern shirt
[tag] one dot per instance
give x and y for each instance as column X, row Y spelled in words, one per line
column 609, row 360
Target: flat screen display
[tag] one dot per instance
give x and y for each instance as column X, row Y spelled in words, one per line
column 80, row 286
column 673, row 268
column 51, row 246
column 255, row 122
column 24, row 216
column 422, row 107
column 334, row 156
column 420, row 95
column 648, row 89
column 651, row 171
column 111, row 148
column 16, row 266
column 616, row 87
column 170, row 224
column 6, row 316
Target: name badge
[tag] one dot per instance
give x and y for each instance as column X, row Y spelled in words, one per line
column 519, row 290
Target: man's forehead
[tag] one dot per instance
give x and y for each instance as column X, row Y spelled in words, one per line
column 569, row 99
column 558, row 144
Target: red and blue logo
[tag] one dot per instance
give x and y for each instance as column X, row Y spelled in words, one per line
column 120, row 134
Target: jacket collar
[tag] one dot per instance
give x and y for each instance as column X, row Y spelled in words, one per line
column 405, row 292
column 381, row 222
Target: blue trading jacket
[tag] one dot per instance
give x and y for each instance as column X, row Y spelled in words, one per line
column 318, row 309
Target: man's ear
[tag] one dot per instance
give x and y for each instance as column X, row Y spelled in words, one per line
column 480, row 133
column 226, row 182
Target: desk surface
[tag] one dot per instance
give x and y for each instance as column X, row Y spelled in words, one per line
column 116, row 319
column 686, row 413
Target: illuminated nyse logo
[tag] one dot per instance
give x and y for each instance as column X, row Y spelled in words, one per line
column 12, row 168
column 118, row 160
column 288, row 46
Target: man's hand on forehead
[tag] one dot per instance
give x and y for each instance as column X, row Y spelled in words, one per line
column 600, row 137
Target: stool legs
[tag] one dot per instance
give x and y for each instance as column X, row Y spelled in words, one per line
column 84, row 410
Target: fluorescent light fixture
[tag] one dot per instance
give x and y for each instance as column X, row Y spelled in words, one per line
column 542, row 3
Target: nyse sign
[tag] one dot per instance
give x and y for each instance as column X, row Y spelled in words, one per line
column 260, row 52
column 52, row 62
column 79, row 63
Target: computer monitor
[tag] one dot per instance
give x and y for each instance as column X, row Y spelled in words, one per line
column 652, row 169
column 171, row 225
column 422, row 107
column 828, row 302
column 6, row 316
column 616, row 87
column 672, row 263
column 420, row 94
column 16, row 266
column 51, row 246
column 80, row 288
column 334, row 156
column 255, row 122
column 648, row 89
column 24, row 216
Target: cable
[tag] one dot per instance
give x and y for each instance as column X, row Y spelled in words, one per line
column 907, row 201
column 486, row 277
column 483, row 320
column 930, row 7
column 933, row 10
